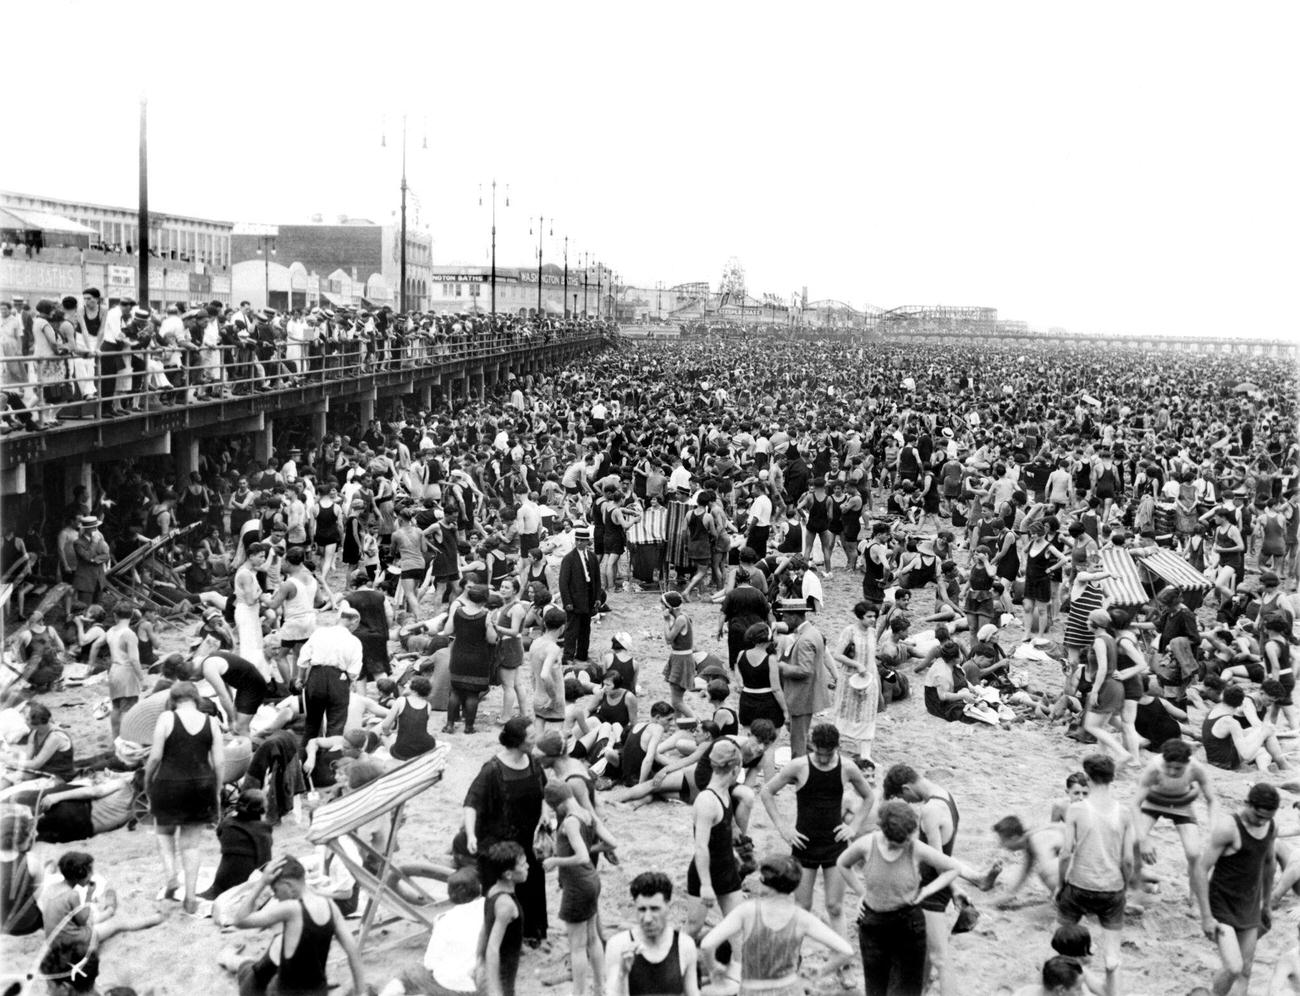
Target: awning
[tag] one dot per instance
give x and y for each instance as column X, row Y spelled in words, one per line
column 1174, row 570
column 11, row 221
column 44, row 222
column 1124, row 586
column 334, row 299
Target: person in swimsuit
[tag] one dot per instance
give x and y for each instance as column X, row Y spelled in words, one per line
column 502, row 937
column 1097, row 861
column 1167, row 789
column 884, row 868
column 579, row 833
column 679, row 672
column 225, row 671
column 939, row 823
column 721, row 813
column 1041, row 848
column 648, row 959
column 308, row 922
column 772, row 928
column 1236, row 883
column 410, row 716
column 824, row 820
column 126, row 676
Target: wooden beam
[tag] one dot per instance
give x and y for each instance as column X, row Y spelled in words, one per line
column 250, row 423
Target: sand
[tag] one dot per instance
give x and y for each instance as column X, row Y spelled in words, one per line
column 991, row 772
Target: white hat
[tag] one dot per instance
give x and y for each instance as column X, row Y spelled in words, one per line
column 987, row 632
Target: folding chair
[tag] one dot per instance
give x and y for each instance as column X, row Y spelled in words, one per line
column 344, row 816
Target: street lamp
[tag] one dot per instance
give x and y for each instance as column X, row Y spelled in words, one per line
column 564, row 301
column 584, row 285
column 494, row 235
column 541, row 225
column 600, row 304
column 266, row 249
column 401, row 273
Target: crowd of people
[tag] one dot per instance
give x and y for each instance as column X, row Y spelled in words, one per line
column 92, row 357
column 340, row 594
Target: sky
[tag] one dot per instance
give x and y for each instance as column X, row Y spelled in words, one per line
column 1110, row 167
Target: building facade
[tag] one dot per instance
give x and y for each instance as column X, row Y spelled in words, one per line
column 354, row 260
column 468, row 288
column 174, row 237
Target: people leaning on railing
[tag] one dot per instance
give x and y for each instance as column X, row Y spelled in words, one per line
column 86, row 359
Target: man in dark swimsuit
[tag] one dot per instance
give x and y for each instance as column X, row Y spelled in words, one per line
column 649, row 959
column 820, row 832
column 1236, row 884
column 939, row 823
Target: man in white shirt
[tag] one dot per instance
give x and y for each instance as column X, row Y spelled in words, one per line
column 449, row 959
column 760, row 518
column 111, row 342
column 331, row 658
column 680, row 478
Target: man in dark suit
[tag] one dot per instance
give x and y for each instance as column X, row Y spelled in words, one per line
column 580, row 594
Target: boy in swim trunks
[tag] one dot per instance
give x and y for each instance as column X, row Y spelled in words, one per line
column 1167, row 789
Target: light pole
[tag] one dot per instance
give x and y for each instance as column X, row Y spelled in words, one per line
column 142, row 241
column 564, row 301
column 600, row 304
column 494, row 235
column 584, row 285
column 266, row 250
column 401, row 272
column 541, row 225
column 659, row 300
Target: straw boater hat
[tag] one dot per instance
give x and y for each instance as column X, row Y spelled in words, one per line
column 792, row 605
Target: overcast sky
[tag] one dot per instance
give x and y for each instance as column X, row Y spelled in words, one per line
column 1103, row 167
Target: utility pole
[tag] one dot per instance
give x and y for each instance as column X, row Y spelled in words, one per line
column 584, row 285
column 142, row 246
column 600, row 304
column 564, row 303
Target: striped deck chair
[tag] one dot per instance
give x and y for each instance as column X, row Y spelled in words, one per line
column 377, row 875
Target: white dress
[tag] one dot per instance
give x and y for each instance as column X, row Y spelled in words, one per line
column 855, row 708
column 248, row 620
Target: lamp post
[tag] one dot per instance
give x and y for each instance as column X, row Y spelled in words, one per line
column 584, row 285
column 401, row 272
column 142, row 240
column 266, row 250
column 600, row 304
column 541, row 225
column 564, row 302
column 494, row 235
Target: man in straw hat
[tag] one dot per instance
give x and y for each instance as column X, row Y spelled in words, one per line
column 580, row 594
column 93, row 555
column 806, row 678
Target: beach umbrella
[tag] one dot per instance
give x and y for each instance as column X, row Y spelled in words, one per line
column 1246, row 387
column 1089, row 399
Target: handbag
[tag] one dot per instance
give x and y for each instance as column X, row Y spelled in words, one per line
column 544, row 840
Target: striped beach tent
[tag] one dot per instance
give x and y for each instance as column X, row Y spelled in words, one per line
column 1172, row 569
column 1124, row 587
column 345, row 817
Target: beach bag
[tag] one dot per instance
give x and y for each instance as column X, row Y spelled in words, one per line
column 544, row 840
